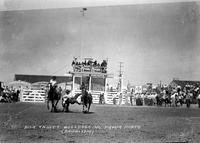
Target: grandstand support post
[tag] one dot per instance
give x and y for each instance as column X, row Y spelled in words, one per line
column 73, row 82
column 105, row 90
column 34, row 98
column 90, row 82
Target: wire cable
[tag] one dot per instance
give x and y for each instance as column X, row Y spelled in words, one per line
column 59, row 69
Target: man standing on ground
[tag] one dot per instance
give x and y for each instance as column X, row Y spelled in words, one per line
column 187, row 98
column 131, row 98
column 120, row 98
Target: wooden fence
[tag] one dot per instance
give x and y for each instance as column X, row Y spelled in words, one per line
column 95, row 95
column 109, row 98
column 33, row 95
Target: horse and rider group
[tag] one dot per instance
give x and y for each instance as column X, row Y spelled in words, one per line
column 54, row 94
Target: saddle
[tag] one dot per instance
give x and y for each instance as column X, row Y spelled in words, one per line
column 72, row 100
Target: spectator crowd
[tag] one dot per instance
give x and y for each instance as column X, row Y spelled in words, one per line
column 161, row 97
column 9, row 94
column 89, row 65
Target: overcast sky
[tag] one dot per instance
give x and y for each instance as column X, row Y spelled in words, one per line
column 155, row 41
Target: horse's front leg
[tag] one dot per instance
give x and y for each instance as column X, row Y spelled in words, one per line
column 56, row 102
column 62, row 102
column 83, row 108
column 67, row 107
column 48, row 104
column 89, row 107
column 52, row 106
column 55, row 105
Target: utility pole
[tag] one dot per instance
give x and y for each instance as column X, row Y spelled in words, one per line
column 81, row 29
column 83, row 10
column 120, row 76
column 160, row 83
column 120, row 68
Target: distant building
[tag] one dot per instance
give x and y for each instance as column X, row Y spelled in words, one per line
column 41, row 78
column 183, row 83
column 18, row 84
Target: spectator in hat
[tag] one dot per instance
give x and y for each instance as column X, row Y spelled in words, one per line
column 131, row 98
column 187, row 98
column 120, row 98
column 53, row 84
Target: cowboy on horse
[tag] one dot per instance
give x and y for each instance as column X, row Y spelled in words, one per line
column 53, row 94
column 86, row 98
column 53, row 84
column 83, row 92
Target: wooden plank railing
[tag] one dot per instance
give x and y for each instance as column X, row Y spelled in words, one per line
column 33, row 95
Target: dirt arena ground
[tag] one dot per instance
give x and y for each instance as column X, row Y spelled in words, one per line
column 32, row 123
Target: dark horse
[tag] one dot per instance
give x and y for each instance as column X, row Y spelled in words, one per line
column 53, row 95
column 86, row 99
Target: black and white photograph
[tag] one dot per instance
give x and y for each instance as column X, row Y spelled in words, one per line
column 85, row 71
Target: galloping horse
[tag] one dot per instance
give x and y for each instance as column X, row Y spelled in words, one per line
column 53, row 95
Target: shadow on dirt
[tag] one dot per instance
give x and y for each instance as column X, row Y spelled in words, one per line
column 79, row 112
column 61, row 111
column 88, row 112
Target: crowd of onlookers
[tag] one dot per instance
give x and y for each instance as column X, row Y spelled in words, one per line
column 9, row 94
column 167, row 97
column 79, row 66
